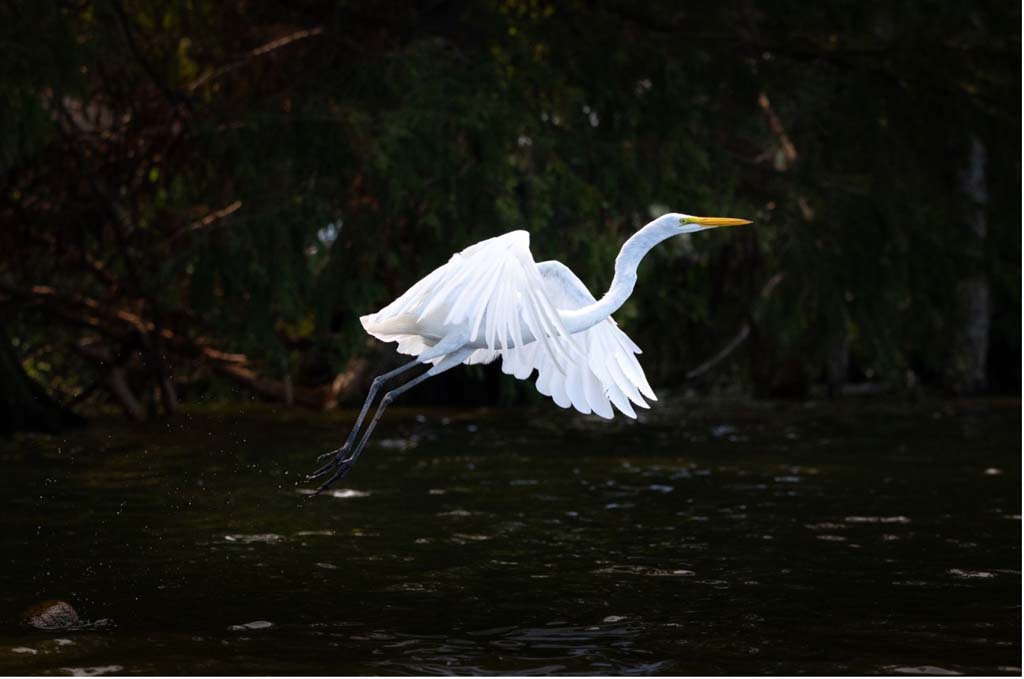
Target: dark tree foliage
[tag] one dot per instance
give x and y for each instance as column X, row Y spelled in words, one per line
column 24, row 404
column 208, row 193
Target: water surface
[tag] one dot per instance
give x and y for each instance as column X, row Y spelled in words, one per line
column 857, row 537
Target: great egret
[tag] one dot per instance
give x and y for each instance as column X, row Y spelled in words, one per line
column 493, row 300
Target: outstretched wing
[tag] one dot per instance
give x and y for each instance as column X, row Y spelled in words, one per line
column 606, row 369
column 493, row 291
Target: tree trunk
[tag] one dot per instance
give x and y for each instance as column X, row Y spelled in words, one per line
column 970, row 359
column 837, row 362
column 24, row 404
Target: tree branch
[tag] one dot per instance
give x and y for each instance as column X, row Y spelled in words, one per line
column 237, row 367
column 207, row 221
column 742, row 334
column 260, row 51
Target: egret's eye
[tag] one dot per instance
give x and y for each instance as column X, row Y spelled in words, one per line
column 684, row 221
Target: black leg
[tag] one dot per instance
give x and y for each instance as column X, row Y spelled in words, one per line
column 341, row 464
column 375, row 387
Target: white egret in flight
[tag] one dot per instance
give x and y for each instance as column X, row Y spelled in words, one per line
column 492, row 300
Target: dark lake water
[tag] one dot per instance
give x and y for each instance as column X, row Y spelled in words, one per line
column 827, row 538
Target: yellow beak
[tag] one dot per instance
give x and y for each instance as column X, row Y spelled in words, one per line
column 718, row 221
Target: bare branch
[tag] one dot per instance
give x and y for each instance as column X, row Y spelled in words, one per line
column 207, row 221
column 260, row 51
column 775, row 123
column 742, row 334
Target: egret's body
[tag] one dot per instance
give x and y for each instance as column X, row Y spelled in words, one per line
column 492, row 300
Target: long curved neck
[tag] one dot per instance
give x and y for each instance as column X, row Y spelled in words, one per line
column 633, row 250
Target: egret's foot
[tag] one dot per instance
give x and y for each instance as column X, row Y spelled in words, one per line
column 335, row 456
column 332, row 454
column 340, row 464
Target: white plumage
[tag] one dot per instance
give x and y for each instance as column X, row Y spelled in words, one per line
column 489, row 296
column 493, row 300
column 503, row 304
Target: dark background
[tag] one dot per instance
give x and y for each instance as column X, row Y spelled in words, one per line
column 200, row 198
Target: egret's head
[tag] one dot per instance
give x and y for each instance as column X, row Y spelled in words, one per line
column 689, row 223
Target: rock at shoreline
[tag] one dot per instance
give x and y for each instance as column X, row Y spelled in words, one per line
column 52, row 614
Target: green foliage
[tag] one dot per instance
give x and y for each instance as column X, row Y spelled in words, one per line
column 254, row 177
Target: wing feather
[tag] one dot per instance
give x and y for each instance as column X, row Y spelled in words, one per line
column 495, row 293
column 606, row 373
column 480, row 309
column 493, row 288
